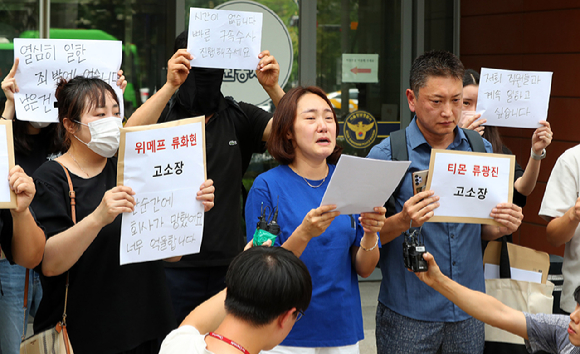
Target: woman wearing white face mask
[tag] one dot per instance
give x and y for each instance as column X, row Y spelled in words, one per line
column 110, row 309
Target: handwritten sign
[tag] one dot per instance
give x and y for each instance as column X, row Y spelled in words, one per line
column 43, row 62
column 469, row 185
column 508, row 98
column 224, row 39
column 164, row 164
column 7, row 196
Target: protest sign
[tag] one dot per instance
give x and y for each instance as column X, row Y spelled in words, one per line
column 7, row 196
column 508, row 98
column 469, row 185
column 43, row 62
column 224, row 39
column 164, row 164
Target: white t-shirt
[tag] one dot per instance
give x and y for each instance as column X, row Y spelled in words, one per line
column 184, row 340
column 562, row 190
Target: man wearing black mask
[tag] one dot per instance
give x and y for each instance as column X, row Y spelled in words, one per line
column 233, row 132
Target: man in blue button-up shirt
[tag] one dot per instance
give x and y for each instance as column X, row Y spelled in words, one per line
column 412, row 317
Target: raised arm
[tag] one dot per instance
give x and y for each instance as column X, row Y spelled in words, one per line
column 477, row 304
column 10, row 87
column 541, row 139
column 419, row 208
column 63, row 250
column 268, row 72
column 28, row 239
column 177, row 70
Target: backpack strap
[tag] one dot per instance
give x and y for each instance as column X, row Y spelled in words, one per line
column 475, row 140
column 398, row 153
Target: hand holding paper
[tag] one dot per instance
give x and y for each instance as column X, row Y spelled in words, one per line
column 420, row 208
column 373, row 222
column 117, row 200
column 317, row 221
column 542, row 137
column 206, row 195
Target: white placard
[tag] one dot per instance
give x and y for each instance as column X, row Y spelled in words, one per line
column 224, row 39
column 43, row 62
column 469, row 185
column 509, row 98
column 360, row 67
column 370, row 186
column 165, row 168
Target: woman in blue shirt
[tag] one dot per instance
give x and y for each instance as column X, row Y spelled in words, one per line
column 335, row 248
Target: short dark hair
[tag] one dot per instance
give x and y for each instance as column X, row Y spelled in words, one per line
column 470, row 77
column 436, row 63
column 264, row 282
column 577, row 295
column 279, row 146
column 75, row 97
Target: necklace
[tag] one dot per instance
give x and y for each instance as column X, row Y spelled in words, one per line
column 79, row 165
column 229, row 341
column 321, row 183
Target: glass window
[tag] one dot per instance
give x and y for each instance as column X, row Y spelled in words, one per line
column 16, row 17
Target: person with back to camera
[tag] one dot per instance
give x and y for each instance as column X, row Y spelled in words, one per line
column 268, row 290
column 541, row 332
column 233, row 132
column 34, row 144
column 111, row 308
column 524, row 180
column 335, row 248
column 411, row 319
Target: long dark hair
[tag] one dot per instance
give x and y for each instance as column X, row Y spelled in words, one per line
column 279, row 146
column 490, row 133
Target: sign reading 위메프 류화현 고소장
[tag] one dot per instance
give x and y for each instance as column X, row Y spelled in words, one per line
column 164, row 164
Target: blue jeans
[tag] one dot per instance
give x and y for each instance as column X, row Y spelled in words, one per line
column 11, row 312
column 399, row 334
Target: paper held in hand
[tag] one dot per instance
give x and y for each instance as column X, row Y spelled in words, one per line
column 360, row 184
column 165, row 165
column 469, row 185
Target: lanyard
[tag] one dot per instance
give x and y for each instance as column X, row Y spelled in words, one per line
column 229, row 341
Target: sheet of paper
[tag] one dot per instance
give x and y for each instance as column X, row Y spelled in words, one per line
column 165, row 168
column 224, row 39
column 43, row 62
column 360, row 184
column 491, row 271
column 469, row 185
column 510, row 98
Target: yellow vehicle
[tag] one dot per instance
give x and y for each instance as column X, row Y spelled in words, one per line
column 335, row 99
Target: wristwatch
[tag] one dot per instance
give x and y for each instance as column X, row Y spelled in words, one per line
column 538, row 157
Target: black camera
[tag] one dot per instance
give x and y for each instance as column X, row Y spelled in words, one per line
column 413, row 251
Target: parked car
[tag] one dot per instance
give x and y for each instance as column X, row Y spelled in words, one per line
column 335, row 98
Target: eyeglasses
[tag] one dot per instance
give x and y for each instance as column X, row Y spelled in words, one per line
column 299, row 315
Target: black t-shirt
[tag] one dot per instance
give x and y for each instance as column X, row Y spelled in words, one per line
column 111, row 308
column 6, row 233
column 519, row 199
column 38, row 154
column 232, row 136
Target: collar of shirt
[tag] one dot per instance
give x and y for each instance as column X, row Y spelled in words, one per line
column 416, row 137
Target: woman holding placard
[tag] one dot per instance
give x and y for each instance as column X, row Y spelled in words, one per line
column 524, row 180
column 335, row 248
column 111, row 308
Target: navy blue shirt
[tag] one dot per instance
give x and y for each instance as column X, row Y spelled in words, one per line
column 456, row 247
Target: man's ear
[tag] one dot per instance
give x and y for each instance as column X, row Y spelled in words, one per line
column 411, row 98
column 287, row 318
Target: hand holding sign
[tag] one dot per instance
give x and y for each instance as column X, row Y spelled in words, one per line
column 509, row 216
column 542, row 137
